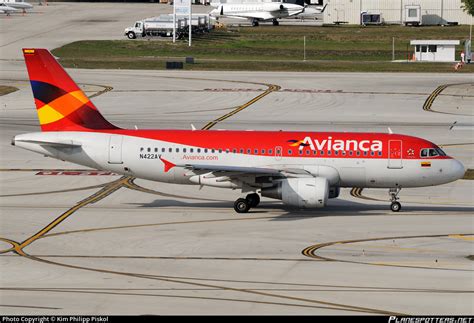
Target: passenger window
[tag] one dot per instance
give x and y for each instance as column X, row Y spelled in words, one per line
column 184, row 150
column 148, row 149
column 263, row 151
column 191, row 150
column 163, row 150
column 380, row 153
column 234, row 151
column 255, row 151
column 177, row 150
column 290, row 152
column 213, row 151
column 227, row 151
column 322, row 152
column 249, row 151
column 170, row 150
column 270, row 151
column 372, row 153
column 336, row 152
column 308, row 152
column 358, row 153
column 315, row 152
column 365, row 153
column 199, row 150
column 141, row 149
column 329, row 152
column 301, row 152
column 156, row 150
column 205, row 150
column 220, row 151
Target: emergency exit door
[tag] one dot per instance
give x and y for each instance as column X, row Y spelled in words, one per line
column 115, row 149
column 395, row 154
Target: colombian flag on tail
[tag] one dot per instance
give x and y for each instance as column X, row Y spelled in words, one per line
column 60, row 103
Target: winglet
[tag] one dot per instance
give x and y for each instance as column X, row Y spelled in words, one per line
column 168, row 165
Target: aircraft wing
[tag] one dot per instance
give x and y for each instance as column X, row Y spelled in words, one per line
column 237, row 171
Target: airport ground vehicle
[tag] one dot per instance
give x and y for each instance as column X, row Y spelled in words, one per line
column 163, row 26
column 156, row 27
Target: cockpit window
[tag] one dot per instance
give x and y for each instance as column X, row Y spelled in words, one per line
column 431, row 152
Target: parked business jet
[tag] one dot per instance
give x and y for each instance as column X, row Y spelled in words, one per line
column 257, row 11
column 302, row 169
column 22, row 5
column 7, row 9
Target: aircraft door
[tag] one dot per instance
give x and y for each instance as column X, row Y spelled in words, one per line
column 395, row 154
column 115, row 149
column 278, row 152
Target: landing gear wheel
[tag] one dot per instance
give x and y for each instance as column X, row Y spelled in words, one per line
column 395, row 206
column 393, row 192
column 253, row 199
column 275, row 22
column 241, row 206
column 254, row 23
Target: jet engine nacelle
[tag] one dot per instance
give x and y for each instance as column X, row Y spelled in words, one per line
column 301, row 192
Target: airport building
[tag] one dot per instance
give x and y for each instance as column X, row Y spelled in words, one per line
column 427, row 12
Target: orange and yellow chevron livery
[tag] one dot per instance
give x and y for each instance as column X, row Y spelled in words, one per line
column 60, row 103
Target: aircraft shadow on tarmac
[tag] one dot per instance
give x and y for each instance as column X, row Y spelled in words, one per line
column 338, row 208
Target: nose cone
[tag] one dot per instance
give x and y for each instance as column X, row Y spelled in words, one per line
column 457, row 169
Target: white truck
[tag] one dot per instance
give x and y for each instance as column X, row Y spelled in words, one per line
column 200, row 22
column 413, row 15
column 156, row 27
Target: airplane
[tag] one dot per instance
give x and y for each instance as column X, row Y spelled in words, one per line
column 7, row 9
column 311, row 12
column 16, row 4
column 258, row 11
column 302, row 169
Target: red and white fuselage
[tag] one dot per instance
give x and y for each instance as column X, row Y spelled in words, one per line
column 303, row 169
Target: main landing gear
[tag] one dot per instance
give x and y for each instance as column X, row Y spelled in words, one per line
column 275, row 22
column 254, row 23
column 395, row 206
column 244, row 205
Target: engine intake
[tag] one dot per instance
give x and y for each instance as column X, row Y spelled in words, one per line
column 300, row 192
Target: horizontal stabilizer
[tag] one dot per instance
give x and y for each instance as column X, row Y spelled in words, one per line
column 60, row 144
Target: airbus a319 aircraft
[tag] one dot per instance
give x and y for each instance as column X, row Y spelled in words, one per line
column 303, row 169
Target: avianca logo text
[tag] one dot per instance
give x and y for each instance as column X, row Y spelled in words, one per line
column 337, row 144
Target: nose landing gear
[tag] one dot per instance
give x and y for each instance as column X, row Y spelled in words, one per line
column 395, row 206
column 244, row 205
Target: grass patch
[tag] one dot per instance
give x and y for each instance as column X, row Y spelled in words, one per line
column 469, row 174
column 275, row 48
column 4, row 89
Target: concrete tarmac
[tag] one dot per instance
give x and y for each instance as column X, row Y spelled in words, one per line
column 74, row 241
